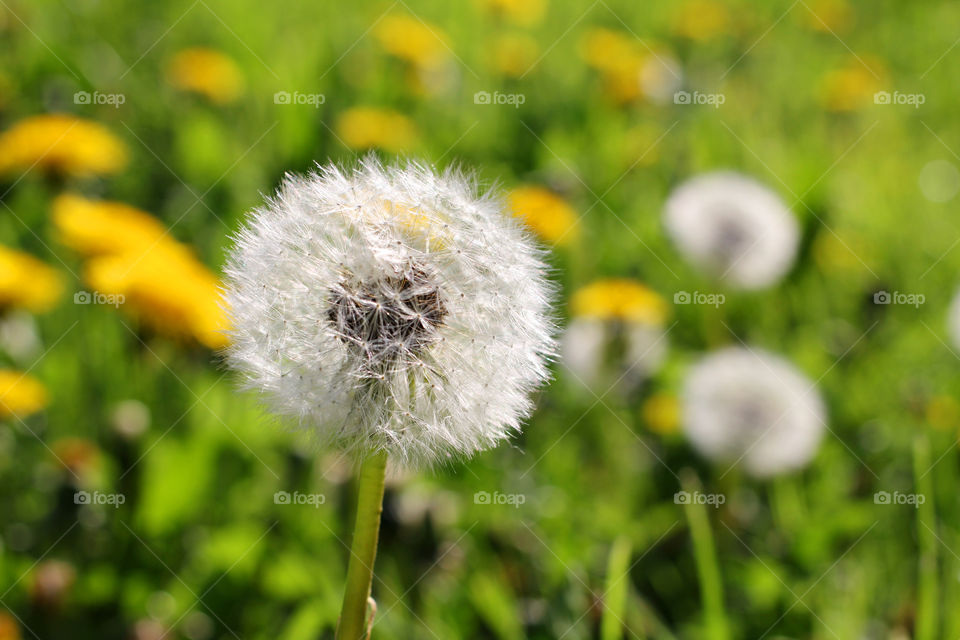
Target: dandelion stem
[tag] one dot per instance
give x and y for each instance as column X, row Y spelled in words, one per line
column 705, row 556
column 363, row 550
column 927, row 592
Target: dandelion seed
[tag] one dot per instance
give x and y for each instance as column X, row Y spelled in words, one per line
column 733, row 228
column 752, row 408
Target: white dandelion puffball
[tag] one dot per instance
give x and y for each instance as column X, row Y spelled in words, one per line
column 734, row 228
column 390, row 309
column 753, row 408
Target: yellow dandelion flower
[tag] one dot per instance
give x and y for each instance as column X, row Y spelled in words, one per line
column 619, row 58
column 407, row 38
column 545, row 213
column 701, row 20
column 661, row 413
column 96, row 227
column 20, row 394
column 369, row 128
column 61, row 143
column 27, row 282
column 207, row 72
column 828, row 16
column 166, row 288
column 520, row 12
column 9, row 630
column 619, row 299
column 513, row 55
column 851, row 86
column 609, row 50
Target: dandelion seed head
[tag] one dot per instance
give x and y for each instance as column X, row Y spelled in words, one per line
column 752, row 408
column 734, row 228
column 390, row 309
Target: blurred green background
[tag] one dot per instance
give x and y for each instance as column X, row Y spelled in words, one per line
column 200, row 548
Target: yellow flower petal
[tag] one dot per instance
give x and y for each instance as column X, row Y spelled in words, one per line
column 521, row 12
column 547, row 215
column 701, row 19
column 514, row 55
column 412, row 40
column 619, row 299
column 95, row 227
column 20, row 394
column 61, row 143
column 207, row 72
column 167, row 289
column 368, row 128
column 661, row 413
column 27, row 282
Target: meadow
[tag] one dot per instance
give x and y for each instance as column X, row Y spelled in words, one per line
column 142, row 495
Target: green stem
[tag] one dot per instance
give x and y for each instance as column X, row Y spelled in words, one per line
column 927, row 591
column 363, row 550
column 705, row 556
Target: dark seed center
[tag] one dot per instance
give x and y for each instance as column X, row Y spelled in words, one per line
column 387, row 318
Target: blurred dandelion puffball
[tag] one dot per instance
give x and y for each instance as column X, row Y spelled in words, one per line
column 390, row 309
column 752, row 408
column 734, row 228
